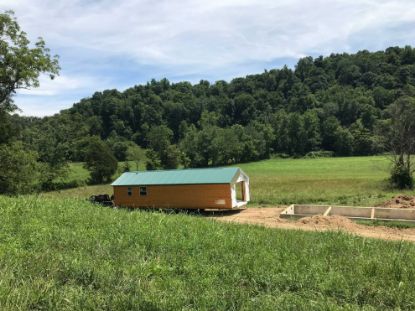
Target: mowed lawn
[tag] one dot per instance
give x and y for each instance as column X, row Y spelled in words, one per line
column 68, row 254
column 352, row 180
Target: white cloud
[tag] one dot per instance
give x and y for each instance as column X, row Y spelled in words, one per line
column 207, row 33
column 201, row 38
column 39, row 107
column 60, row 85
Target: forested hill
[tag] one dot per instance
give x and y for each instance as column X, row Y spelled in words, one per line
column 333, row 103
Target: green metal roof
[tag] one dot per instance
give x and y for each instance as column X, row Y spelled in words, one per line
column 222, row 175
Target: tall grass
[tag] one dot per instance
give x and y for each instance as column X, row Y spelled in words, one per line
column 66, row 254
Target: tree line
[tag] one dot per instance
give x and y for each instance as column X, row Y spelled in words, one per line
column 335, row 104
column 339, row 105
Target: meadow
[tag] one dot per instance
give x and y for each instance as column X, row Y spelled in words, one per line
column 352, row 181
column 349, row 180
column 67, row 254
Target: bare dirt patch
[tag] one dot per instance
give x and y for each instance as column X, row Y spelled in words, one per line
column 328, row 221
column 400, row 201
column 269, row 217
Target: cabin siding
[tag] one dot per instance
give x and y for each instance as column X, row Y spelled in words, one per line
column 196, row 196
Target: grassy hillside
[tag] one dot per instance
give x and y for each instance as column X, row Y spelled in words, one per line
column 78, row 174
column 351, row 180
column 66, row 254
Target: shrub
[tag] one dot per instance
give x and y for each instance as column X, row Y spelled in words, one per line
column 319, row 154
column 62, row 184
column 401, row 177
column 280, row 155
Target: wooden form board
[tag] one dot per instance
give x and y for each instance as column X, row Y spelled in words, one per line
column 353, row 212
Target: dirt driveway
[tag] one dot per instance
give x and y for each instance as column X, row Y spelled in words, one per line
column 269, row 217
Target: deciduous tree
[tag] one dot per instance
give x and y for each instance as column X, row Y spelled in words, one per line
column 19, row 169
column 400, row 137
column 20, row 63
column 100, row 161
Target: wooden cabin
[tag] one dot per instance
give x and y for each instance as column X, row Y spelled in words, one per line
column 208, row 188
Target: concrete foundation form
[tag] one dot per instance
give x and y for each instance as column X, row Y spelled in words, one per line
column 353, row 212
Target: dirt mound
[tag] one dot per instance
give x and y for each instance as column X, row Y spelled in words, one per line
column 400, row 201
column 328, row 221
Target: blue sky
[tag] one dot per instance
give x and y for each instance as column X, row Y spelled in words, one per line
column 106, row 44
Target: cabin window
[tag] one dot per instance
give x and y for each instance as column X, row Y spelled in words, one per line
column 143, row 190
column 129, row 191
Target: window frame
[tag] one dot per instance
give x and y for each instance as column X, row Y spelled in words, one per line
column 129, row 191
column 142, row 191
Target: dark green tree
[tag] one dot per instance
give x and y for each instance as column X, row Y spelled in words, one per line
column 171, row 157
column 120, row 150
column 162, row 153
column 100, row 161
column 19, row 170
column 363, row 140
column 153, row 161
column 297, row 134
column 312, row 136
column 159, row 138
column 343, row 142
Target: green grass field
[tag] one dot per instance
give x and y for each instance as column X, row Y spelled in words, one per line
column 67, row 254
column 352, row 181
column 77, row 173
column 59, row 252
